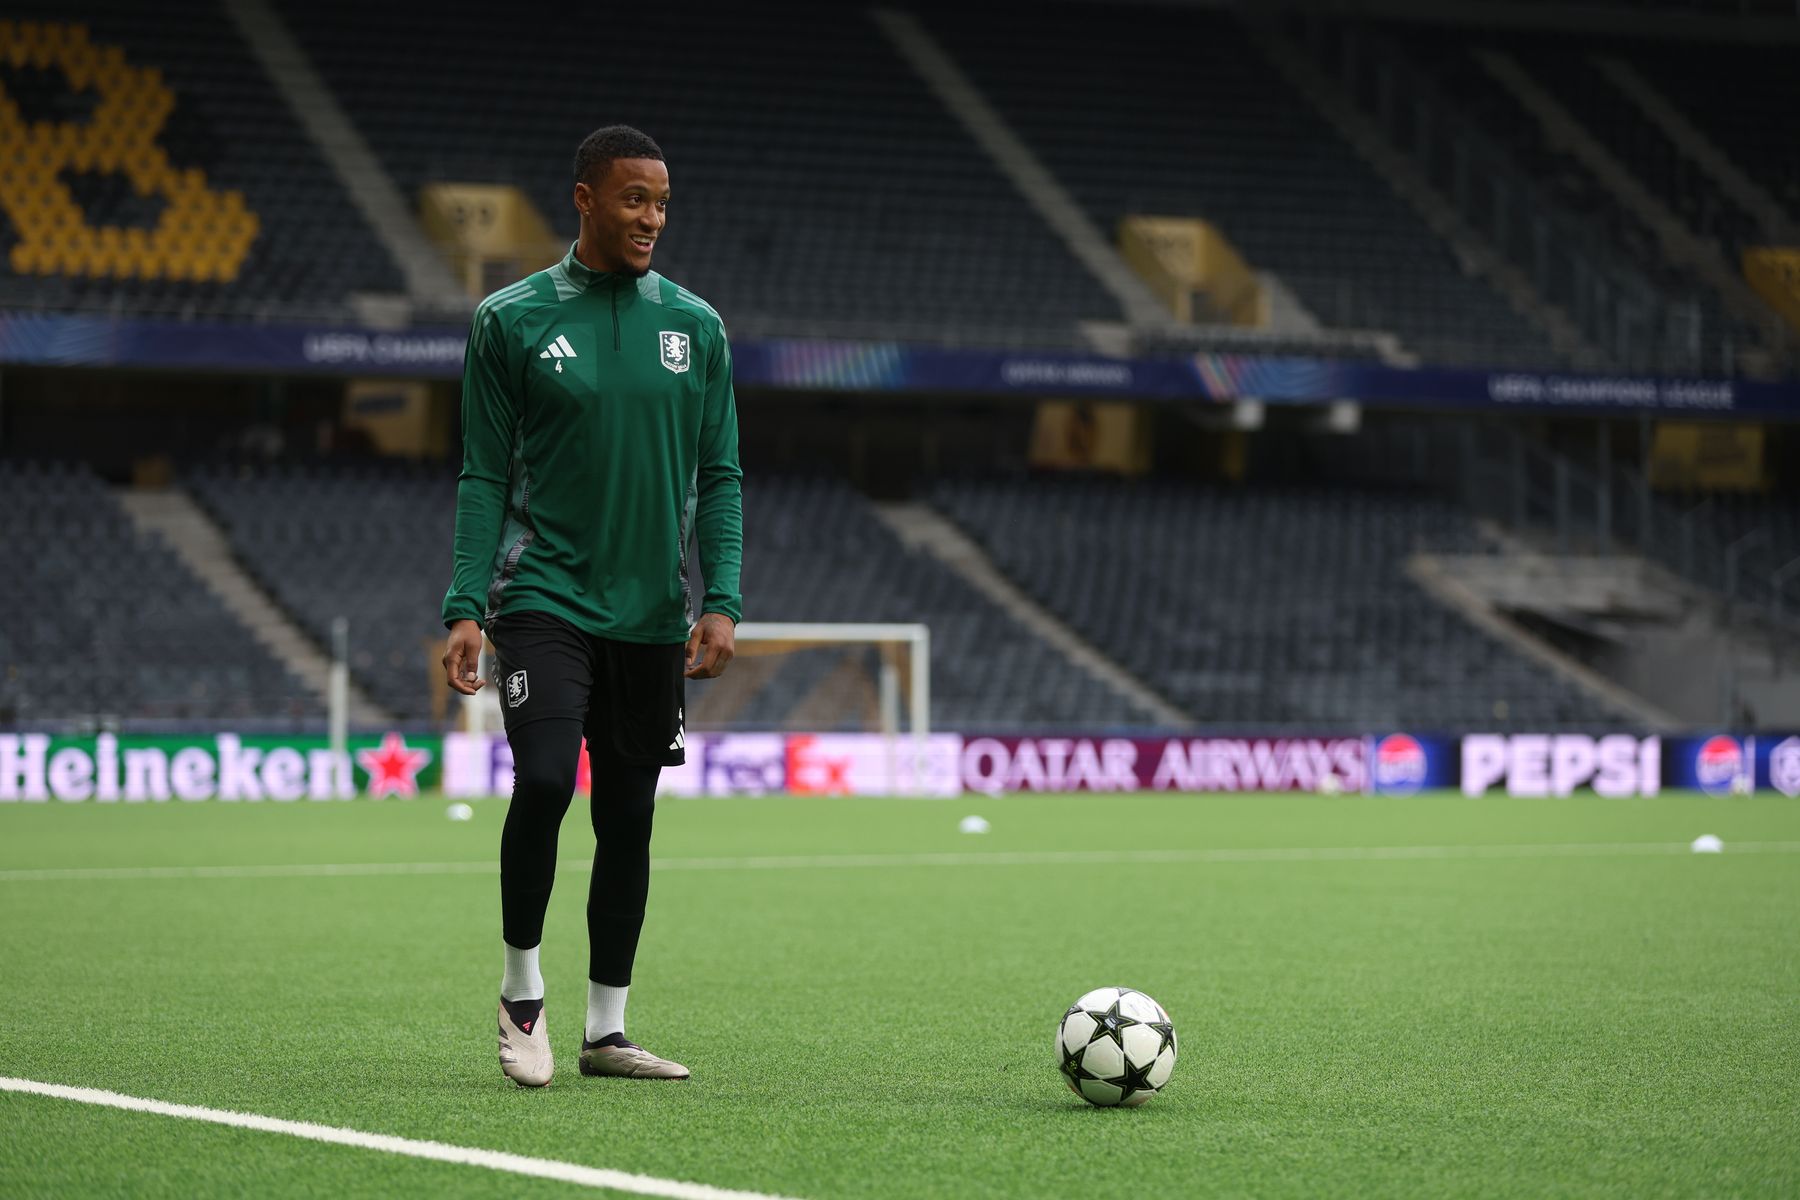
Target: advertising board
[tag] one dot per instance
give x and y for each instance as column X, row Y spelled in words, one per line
column 120, row 768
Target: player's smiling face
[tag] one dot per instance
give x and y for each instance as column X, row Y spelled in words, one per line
column 623, row 214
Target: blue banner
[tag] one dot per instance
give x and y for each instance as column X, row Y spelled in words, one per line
column 1718, row 764
column 436, row 353
column 1403, row 763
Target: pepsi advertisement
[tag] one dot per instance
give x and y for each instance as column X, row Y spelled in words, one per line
column 1723, row 764
column 1625, row 765
column 1403, row 763
column 1717, row 764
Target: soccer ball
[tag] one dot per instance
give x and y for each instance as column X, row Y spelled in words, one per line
column 1116, row 1047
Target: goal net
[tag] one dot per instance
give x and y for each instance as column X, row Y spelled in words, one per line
column 818, row 677
column 821, row 677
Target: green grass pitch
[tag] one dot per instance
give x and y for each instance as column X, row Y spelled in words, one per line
column 1507, row 1023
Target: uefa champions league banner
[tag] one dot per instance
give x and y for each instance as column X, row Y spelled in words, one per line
column 55, row 339
column 129, row 769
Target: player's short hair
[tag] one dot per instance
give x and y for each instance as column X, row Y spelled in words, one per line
column 599, row 148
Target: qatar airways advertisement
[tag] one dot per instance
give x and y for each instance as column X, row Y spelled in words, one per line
column 949, row 764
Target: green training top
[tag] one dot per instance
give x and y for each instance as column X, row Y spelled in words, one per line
column 599, row 434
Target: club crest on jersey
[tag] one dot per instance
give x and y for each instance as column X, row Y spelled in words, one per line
column 518, row 689
column 674, row 350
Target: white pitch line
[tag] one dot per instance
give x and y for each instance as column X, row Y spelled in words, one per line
column 1004, row 858
column 493, row 1160
column 252, row 871
column 1029, row 858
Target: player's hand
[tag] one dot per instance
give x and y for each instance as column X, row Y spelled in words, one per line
column 710, row 646
column 462, row 658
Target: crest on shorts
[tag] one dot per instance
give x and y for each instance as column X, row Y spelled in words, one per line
column 518, row 688
column 674, row 350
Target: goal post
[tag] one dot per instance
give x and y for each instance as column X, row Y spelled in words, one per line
column 775, row 637
column 900, row 646
column 806, row 708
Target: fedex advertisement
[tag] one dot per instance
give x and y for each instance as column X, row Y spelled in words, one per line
column 747, row 764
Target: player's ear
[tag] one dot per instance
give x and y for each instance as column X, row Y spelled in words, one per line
column 584, row 198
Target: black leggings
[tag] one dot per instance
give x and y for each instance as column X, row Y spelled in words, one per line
column 545, row 756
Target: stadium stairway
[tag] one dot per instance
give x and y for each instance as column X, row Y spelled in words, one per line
column 1273, row 607
column 428, row 279
column 1576, row 592
column 202, row 547
column 1412, row 186
column 823, row 191
column 1679, row 243
column 1687, row 137
column 919, row 526
column 1015, row 160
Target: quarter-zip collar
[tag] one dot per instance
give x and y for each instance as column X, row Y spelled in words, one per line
column 588, row 279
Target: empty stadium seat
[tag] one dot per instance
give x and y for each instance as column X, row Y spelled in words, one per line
column 1267, row 607
column 1182, row 116
column 367, row 542
column 372, row 542
column 105, row 625
column 817, row 185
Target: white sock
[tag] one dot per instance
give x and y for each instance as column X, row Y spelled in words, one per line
column 606, row 1010
column 521, row 980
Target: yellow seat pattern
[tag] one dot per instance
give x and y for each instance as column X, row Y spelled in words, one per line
column 202, row 234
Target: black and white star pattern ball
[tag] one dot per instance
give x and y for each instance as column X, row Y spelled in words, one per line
column 1116, row 1046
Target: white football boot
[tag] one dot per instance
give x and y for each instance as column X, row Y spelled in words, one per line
column 629, row 1061
column 525, row 1052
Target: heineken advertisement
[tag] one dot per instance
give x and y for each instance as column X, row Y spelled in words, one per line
column 128, row 769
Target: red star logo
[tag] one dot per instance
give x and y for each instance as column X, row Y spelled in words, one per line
column 392, row 767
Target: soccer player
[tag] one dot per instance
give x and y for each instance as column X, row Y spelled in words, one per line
column 599, row 437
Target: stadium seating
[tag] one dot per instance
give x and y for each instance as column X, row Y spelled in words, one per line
column 106, row 625
column 367, row 542
column 166, row 120
column 1741, row 96
column 815, row 552
column 1689, row 192
column 1188, row 119
column 1696, row 531
column 372, row 542
column 1257, row 607
column 821, row 189
column 1572, row 75
column 816, row 182
column 1449, row 58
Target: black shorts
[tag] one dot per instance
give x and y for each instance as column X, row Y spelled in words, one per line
column 628, row 696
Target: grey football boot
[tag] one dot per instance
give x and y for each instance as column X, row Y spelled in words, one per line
column 525, row 1050
column 627, row 1061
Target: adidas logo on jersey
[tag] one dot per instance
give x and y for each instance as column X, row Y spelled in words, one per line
column 559, row 349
